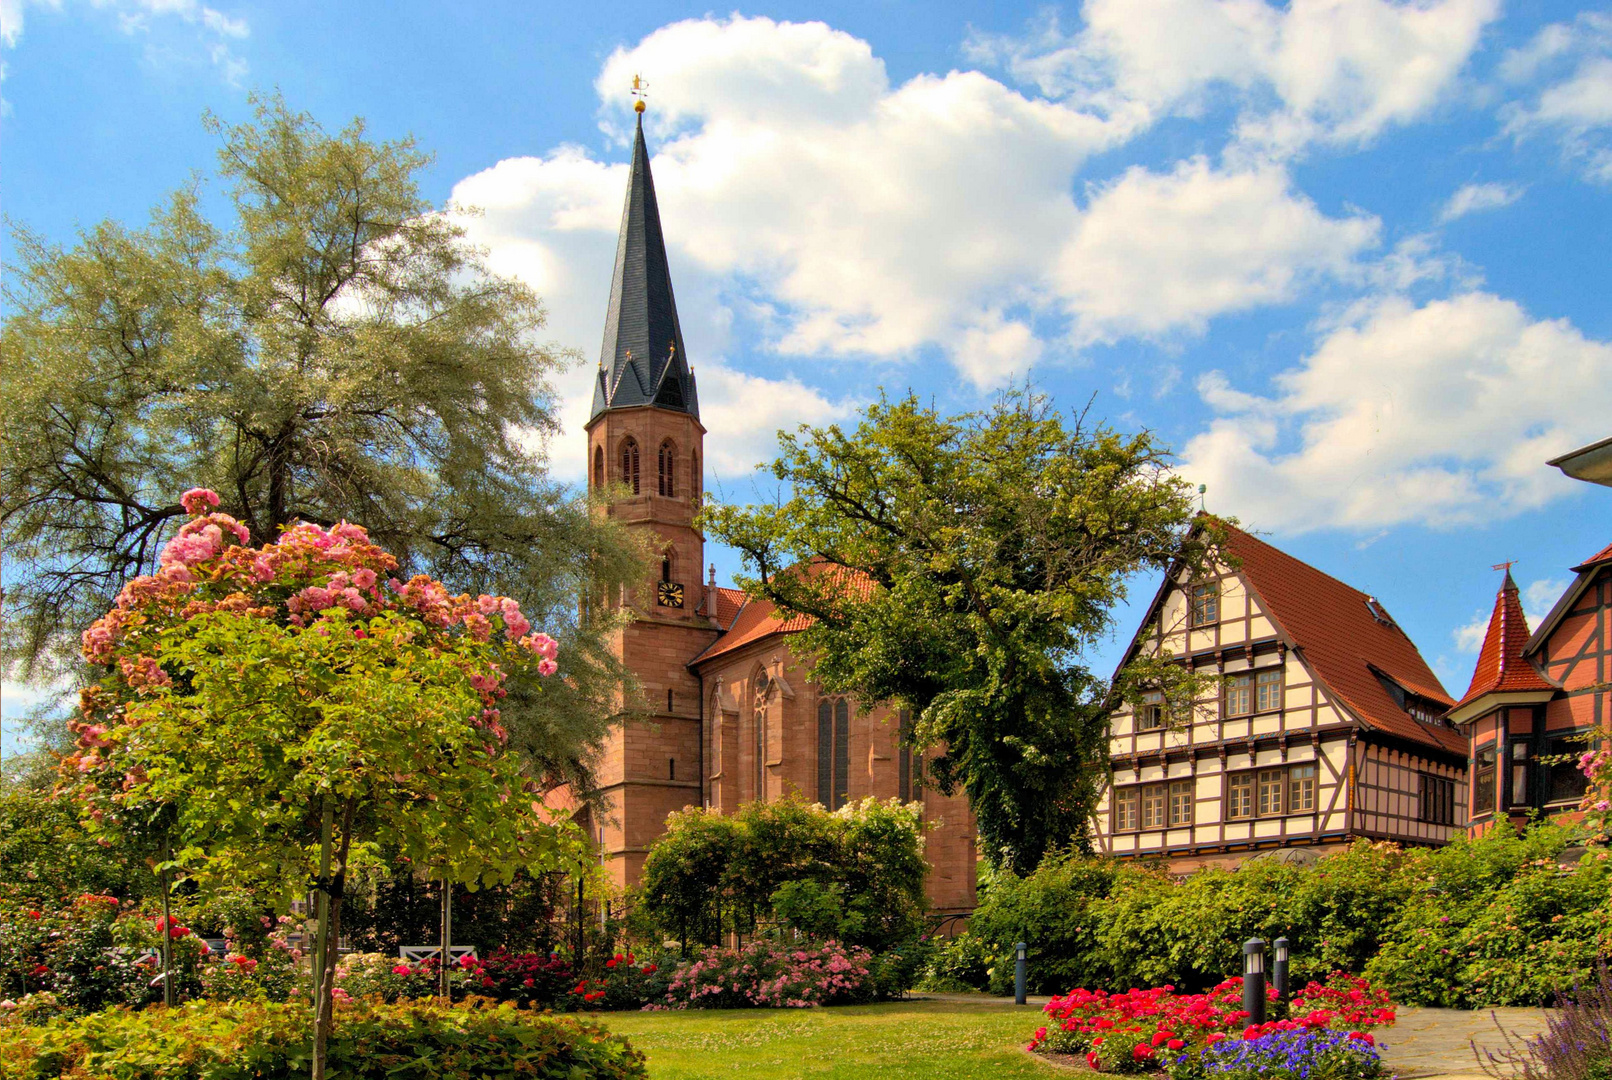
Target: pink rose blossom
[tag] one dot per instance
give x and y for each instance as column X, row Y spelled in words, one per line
column 198, row 500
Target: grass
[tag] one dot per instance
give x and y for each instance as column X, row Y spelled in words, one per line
column 935, row 1040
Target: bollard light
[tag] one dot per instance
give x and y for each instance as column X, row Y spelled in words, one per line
column 1254, row 980
column 1020, row 974
column 1279, row 969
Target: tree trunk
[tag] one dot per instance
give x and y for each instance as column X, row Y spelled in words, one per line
column 329, row 933
column 169, row 995
column 444, row 987
column 321, row 905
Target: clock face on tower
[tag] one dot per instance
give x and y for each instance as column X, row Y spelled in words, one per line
column 669, row 594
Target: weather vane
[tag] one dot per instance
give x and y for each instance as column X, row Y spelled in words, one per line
column 640, row 90
column 1506, row 566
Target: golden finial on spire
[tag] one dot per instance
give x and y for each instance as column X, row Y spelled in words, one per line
column 640, row 90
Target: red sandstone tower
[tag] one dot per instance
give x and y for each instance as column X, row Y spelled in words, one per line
column 645, row 435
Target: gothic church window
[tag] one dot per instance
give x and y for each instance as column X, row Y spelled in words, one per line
column 759, row 718
column 833, row 752
column 694, row 476
column 667, row 462
column 904, row 755
column 598, row 468
column 629, row 464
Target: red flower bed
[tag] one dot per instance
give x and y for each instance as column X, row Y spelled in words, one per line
column 1126, row 1032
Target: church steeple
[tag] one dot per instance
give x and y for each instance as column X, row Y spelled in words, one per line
column 642, row 361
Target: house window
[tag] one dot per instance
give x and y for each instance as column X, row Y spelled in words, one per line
column 1483, row 781
column 1180, row 802
column 1562, row 777
column 1271, row 790
column 629, row 464
column 1240, row 796
column 1268, row 690
column 1125, row 809
column 1301, row 788
column 1205, row 604
column 1436, row 805
column 1150, row 716
column 1153, row 808
column 1519, row 773
column 667, row 462
column 833, row 752
column 1239, row 695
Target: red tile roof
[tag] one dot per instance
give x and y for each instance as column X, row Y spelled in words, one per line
column 1501, row 666
column 1605, row 555
column 1340, row 635
column 728, row 603
column 758, row 619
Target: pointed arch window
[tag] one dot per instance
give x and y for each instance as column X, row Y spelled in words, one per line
column 694, row 476
column 759, row 717
column 666, row 465
column 598, row 468
column 629, row 463
column 833, row 751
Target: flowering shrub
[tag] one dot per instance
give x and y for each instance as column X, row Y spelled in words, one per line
column 772, row 974
column 1144, row 1030
column 370, row 1041
column 1576, row 1043
column 93, row 953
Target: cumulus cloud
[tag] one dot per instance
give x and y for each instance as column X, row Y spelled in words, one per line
column 1194, row 243
column 1439, row 415
column 214, row 29
column 1568, row 70
column 1338, row 71
column 850, row 218
column 1474, row 198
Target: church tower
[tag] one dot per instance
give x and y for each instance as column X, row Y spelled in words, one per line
column 645, row 438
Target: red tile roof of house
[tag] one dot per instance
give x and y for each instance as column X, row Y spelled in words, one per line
column 1501, row 666
column 1605, row 555
column 1340, row 635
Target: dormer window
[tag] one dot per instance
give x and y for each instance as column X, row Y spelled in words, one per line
column 1378, row 612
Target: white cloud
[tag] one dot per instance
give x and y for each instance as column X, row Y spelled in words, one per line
column 1572, row 63
column 1474, row 198
column 215, row 29
column 1155, row 252
column 1440, row 415
column 854, row 219
column 1338, row 71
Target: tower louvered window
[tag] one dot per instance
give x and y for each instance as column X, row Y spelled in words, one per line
column 833, row 752
column 667, row 462
column 629, row 464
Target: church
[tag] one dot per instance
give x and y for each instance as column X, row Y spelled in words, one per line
column 729, row 712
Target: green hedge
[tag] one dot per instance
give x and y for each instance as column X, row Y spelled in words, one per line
column 253, row 1041
column 1479, row 923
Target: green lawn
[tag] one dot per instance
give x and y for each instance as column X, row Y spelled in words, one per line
column 932, row 1040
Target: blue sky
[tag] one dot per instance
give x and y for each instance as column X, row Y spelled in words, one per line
column 1348, row 258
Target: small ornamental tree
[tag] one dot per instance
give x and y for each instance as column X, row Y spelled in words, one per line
column 273, row 709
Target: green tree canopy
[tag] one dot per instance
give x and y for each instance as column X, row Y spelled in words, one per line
column 962, row 565
column 334, row 351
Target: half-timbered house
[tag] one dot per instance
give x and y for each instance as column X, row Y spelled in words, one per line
column 1534, row 699
column 1326, row 725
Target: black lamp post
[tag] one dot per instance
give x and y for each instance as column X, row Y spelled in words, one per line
column 1279, row 969
column 1020, row 974
column 1254, row 980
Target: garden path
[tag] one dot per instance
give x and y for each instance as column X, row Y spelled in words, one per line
column 1423, row 1043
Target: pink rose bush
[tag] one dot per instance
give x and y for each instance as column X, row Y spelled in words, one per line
column 774, row 975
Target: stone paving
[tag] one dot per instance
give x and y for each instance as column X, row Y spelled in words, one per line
column 1438, row 1042
column 1423, row 1043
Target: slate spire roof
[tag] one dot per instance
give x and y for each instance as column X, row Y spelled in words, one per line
column 1502, row 668
column 643, row 361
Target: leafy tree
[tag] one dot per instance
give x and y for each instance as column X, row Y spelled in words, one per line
column 275, row 710
column 856, row 874
column 961, row 565
column 334, row 350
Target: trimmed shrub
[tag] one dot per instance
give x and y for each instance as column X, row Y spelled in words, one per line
column 771, row 974
column 244, row 1041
